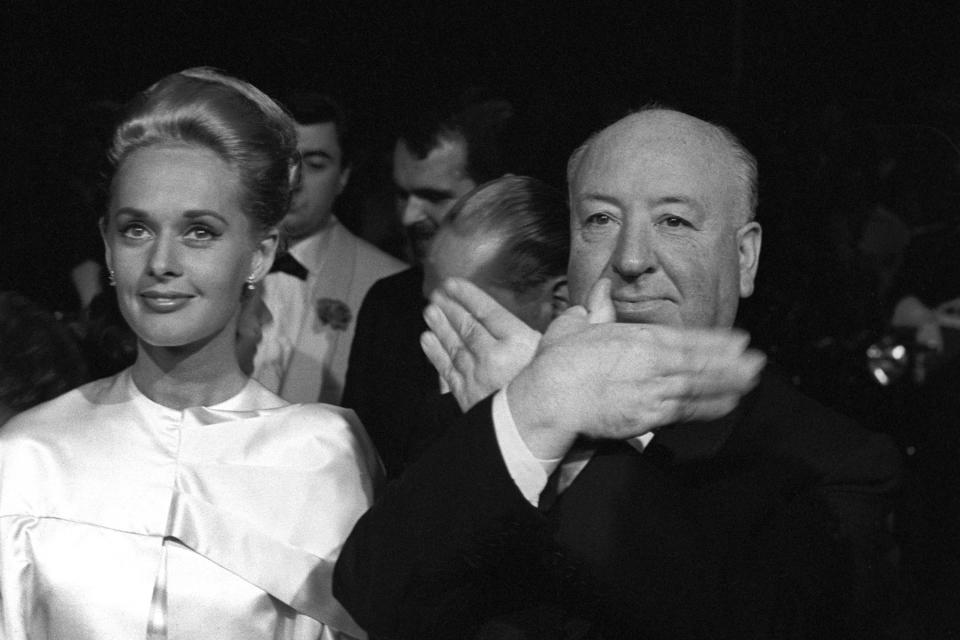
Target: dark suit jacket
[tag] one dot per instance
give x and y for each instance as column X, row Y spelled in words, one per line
column 390, row 383
column 764, row 524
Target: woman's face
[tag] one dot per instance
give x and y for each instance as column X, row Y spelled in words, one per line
column 180, row 245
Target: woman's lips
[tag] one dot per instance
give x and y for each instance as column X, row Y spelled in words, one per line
column 165, row 301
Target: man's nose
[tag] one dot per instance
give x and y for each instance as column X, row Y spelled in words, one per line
column 634, row 254
column 165, row 257
column 412, row 210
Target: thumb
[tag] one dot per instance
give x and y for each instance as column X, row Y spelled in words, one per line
column 570, row 321
column 599, row 305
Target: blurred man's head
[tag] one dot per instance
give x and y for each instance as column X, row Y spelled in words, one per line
column 663, row 204
column 322, row 133
column 440, row 157
column 510, row 237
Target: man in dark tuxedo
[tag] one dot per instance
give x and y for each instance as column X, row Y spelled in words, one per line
column 441, row 154
column 631, row 479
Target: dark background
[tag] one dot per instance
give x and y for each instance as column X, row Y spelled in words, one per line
column 823, row 92
column 851, row 107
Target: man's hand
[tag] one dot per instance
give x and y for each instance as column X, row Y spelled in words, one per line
column 478, row 346
column 622, row 380
column 475, row 344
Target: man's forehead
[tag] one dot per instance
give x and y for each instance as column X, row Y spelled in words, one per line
column 448, row 153
column 445, row 162
column 320, row 136
column 662, row 147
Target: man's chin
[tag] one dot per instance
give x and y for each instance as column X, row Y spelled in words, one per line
column 419, row 247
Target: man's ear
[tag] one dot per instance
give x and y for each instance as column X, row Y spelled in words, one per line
column 264, row 253
column 343, row 179
column 749, row 238
column 559, row 295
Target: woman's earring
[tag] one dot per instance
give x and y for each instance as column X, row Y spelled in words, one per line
column 251, row 282
column 111, row 277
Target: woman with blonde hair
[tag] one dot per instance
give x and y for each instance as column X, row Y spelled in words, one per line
column 179, row 498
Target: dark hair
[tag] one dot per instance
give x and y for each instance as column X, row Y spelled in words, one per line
column 486, row 127
column 237, row 121
column 39, row 358
column 313, row 107
column 531, row 216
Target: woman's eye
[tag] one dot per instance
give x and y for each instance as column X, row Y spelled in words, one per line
column 598, row 219
column 200, row 233
column 134, row 231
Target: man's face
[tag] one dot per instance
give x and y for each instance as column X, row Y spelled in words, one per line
column 322, row 178
column 427, row 188
column 657, row 208
column 474, row 257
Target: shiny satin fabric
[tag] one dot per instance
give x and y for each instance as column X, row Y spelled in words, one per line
column 121, row 518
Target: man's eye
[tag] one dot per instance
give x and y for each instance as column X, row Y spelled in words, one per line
column 675, row 221
column 435, row 198
column 316, row 165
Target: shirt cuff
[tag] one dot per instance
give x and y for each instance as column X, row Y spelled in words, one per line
column 528, row 472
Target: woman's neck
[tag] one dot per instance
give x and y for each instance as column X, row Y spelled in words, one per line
column 190, row 376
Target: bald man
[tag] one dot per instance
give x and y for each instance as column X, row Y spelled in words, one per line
column 634, row 474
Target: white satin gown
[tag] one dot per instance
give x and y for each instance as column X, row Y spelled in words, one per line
column 122, row 519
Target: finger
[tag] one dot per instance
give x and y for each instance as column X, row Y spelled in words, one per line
column 647, row 351
column 599, row 304
column 673, row 400
column 715, row 376
column 471, row 333
column 494, row 317
column 447, row 335
column 573, row 319
column 676, row 350
column 718, row 341
column 736, row 378
column 438, row 356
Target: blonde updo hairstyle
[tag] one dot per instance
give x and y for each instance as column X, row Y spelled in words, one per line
column 241, row 124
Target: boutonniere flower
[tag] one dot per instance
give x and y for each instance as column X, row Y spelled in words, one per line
column 334, row 313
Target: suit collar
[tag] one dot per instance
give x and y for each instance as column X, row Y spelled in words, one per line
column 313, row 249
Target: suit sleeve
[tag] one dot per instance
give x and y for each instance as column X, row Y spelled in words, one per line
column 353, row 382
column 362, row 389
column 439, row 554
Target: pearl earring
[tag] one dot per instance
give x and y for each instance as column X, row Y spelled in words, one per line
column 251, row 282
column 111, row 277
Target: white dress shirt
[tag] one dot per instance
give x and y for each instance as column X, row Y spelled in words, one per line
column 302, row 357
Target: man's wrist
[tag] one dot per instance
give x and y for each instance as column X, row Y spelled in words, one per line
column 536, row 420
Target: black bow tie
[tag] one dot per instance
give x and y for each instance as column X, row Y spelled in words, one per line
column 289, row 265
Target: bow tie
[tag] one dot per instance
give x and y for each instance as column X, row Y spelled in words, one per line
column 289, row 265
